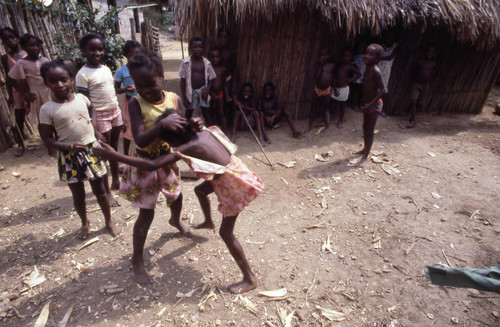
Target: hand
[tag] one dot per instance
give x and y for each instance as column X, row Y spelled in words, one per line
column 130, row 89
column 77, row 147
column 228, row 98
column 124, row 126
column 173, row 123
column 270, row 119
column 364, row 108
column 196, row 124
column 105, row 151
column 99, row 136
column 186, row 103
column 204, row 94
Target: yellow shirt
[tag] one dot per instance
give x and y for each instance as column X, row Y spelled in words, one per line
column 150, row 113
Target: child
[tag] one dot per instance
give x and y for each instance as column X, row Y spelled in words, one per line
column 340, row 92
column 229, row 60
column 219, row 88
column 272, row 112
column 68, row 117
column 10, row 39
column 29, row 82
column 323, row 77
column 358, row 61
column 143, row 187
column 197, row 76
column 424, row 73
column 122, row 76
column 95, row 81
column 373, row 91
column 209, row 154
column 245, row 100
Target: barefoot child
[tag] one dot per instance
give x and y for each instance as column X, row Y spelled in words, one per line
column 143, row 187
column 424, row 72
column 272, row 112
column 209, row 154
column 323, row 78
column 68, row 117
column 345, row 74
column 95, row 81
column 373, row 91
column 197, row 76
column 219, row 88
column 245, row 100
column 10, row 40
column 122, row 77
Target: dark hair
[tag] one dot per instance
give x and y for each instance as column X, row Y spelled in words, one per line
column 349, row 49
column 147, row 60
column 246, row 84
column 180, row 137
column 196, row 39
column 129, row 46
column 8, row 29
column 23, row 40
column 44, row 70
column 215, row 48
column 378, row 49
column 270, row 85
column 325, row 48
column 88, row 37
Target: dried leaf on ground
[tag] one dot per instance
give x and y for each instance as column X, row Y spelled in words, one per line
column 247, row 304
column 389, row 169
column 35, row 278
column 288, row 164
column 65, row 319
column 285, row 318
column 16, row 174
column 436, row 195
column 44, row 315
column 274, row 293
column 332, row 314
column 432, row 154
column 327, row 246
column 89, row 242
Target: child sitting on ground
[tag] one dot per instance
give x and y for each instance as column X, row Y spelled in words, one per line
column 373, row 91
column 209, row 154
column 272, row 112
column 197, row 75
column 245, row 100
column 345, row 74
column 424, row 74
column 122, row 77
column 68, row 117
column 219, row 88
column 323, row 78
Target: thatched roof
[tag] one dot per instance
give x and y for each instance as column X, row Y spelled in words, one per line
column 473, row 21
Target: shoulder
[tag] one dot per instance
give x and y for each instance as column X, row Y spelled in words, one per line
column 187, row 60
column 43, row 60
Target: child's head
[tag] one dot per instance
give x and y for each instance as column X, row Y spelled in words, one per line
column 131, row 48
column 223, row 38
column 373, row 53
column 31, row 44
column 197, row 46
column 58, row 77
column 432, row 51
column 246, row 90
column 9, row 37
column 268, row 90
column 92, row 47
column 347, row 56
column 215, row 56
column 325, row 54
column 146, row 70
column 175, row 138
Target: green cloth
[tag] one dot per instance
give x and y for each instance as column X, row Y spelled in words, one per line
column 481, row 279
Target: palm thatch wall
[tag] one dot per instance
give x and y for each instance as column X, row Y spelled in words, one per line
column 280, row 40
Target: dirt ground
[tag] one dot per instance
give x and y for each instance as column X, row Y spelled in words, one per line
column 352, row 240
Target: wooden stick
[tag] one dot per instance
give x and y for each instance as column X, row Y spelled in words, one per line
column 255, row 136
column 448, row 261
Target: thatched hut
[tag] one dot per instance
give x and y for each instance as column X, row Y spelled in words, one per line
column 280, row 41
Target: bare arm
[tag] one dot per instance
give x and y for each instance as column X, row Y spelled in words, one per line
column 185, row 100
column 357, row 74
column 47, row 133
column 118, row 88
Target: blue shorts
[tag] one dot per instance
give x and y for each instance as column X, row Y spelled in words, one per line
column 196, row 99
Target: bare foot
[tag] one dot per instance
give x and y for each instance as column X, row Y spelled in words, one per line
column 112, row 201
column 183, row 229
column 360, row 151
column 361, row 162
column 113, row 229
column 412, row 124
column 20, row 151
column 204, row 225
column 140, row 274
column 340, row 124
column 83, row 233
column 326, row 132
column 243, row 286
column 115, row 185
column 298, row 134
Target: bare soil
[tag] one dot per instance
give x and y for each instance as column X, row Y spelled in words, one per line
column 440, row 206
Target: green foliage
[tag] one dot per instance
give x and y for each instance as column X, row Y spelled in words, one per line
column 163, row 19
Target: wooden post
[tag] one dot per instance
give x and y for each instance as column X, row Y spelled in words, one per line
column 132, row 28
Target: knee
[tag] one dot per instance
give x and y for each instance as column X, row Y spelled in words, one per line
column 198, row 190
column 226, row 235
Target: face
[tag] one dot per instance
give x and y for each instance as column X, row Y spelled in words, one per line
column 432, row 53
column 323, row 56
column 94, row 51
column 371, row 56
column 223, row 39
column 197, row 48
column 10, row 40
column 133, row 52
column 215, row 57
column 33, row 48
column 148, row 84
column 347, row 58
column 59, row 82
column 247, row 92
column 268, row 92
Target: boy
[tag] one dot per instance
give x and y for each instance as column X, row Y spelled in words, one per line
column 219, row 88
column 197, row 76
column 373, row 91
column 323, row 77
column 424, row 71
column 272, row 112
column 340, row 93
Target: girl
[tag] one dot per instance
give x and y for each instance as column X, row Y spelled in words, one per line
column 95, row 81
column 26, row 72
column 245, row 100
column 10, row 39
column 68, row 116
column 143, row 187
column 209, row 154
column 122, row 76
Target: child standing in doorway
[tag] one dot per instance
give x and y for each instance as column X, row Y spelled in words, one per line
column 197, row 75
column 217, row 92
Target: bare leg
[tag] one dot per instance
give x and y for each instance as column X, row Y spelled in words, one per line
column 314, row 105
column 78, row 192
column 141, row 228
column 126, row 146
column 413, row 113
column 369, row 121
column 175, row 217
column 113, row 141
column 263, row 128
column 100, row 193
column 258, row 122
column 19, row 131
column 341, row 106
column 111, row 199
column 325, row 107
column 219, row 103
column 202, row 191
column 249, row 281
column 236, row 122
